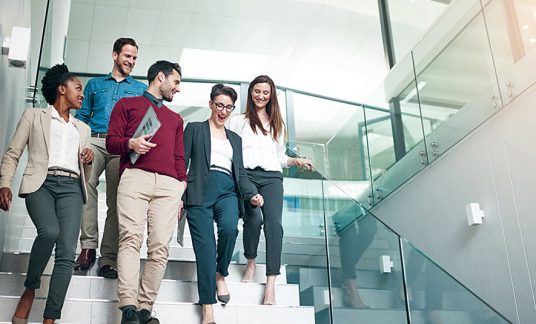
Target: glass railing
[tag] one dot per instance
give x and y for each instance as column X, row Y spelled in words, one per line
column 352, row 268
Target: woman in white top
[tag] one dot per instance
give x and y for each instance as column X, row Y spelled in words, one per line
column 53, row 186
column 217, row 188
column 263, row 145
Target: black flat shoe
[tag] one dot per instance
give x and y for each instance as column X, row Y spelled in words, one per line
column 224, row 298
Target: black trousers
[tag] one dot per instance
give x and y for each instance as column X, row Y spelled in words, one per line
column 56, row 211
column 270, row 185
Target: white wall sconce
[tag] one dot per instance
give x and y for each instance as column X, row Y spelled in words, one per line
column 474, row 214
column 386, row 264
column 16, row 47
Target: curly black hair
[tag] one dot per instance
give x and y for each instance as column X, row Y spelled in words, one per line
column 54, row 77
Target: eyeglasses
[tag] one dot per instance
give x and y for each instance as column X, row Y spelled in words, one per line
column 220, row 106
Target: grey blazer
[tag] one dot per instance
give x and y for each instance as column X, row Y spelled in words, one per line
column 33, row 131
column 197, row 155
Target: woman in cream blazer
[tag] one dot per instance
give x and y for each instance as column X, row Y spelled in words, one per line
column 53, row 185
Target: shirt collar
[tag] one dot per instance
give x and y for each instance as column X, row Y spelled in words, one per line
column 157, row 102
column 56, row 115
column 128, row 79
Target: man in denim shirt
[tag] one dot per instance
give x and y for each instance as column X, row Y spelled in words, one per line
column 100, row 96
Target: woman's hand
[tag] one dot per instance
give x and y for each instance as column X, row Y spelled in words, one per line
column 87, row 156
column 304, row 163
column 5, row 198
column 257, row 200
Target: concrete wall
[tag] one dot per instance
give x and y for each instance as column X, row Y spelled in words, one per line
column 496, row 167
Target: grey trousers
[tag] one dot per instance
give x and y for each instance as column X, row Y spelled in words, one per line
column 270, row 186
column 56, row 211
column 89, row 234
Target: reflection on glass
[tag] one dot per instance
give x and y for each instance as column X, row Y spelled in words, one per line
column 456, row 89
column 512, row 32
column 410, row 20
column 332, row 134
column 395, row 131
column 358, row 247
column 435, row 297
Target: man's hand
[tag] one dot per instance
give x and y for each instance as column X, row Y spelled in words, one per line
column 5, row 198
column 87, row 156
column 140, row 144
column 257, row 200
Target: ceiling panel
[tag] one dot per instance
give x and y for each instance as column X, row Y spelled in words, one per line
column 80, row 20
column 171, row 28
column 185, row 6
column 211, row 7
column 115, row 3
column 202, row 30
column 141, row 22
column 144, row 4
column 234, row 35
column 108, row 23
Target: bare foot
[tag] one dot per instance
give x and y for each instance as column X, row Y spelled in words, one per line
column 221, row 286
column 25, row 304
column 269, row 291
column 208, row 314
column 351, row 297
column 250, row 271
column 48, row 321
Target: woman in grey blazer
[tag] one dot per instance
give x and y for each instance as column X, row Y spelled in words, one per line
column 217, row 187
column 53, row 186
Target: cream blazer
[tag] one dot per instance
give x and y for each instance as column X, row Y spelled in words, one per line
column 33, row 131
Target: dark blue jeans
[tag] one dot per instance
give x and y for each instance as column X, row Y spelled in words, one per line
column 56, row 211
column 220, row 204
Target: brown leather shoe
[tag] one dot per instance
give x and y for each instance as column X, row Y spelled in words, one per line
column 85, row 260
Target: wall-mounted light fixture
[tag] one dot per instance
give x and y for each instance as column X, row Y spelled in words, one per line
column 386, row 264
column 474, row 214
column 16, row 47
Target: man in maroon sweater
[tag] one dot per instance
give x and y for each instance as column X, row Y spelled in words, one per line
column 149, row 190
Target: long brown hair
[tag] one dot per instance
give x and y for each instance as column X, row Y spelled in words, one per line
column 272, row 108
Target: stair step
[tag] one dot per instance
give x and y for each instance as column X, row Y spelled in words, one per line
column 367, row 316
column 97, row 288
column 176, row 270
column 105, row 312
column 374, row 298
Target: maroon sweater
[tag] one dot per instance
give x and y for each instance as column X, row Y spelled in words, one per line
column 167, row 157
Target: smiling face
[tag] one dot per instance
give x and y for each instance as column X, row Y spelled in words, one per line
column 219, row 117
column 170, row 85
column 73, row 93
column 260, row 95
column 125, row 60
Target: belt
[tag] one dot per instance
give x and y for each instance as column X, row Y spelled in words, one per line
column 62, row 173
column 99, row 135
column 220, row 169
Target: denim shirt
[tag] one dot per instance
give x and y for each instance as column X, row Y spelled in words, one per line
column 101, row 95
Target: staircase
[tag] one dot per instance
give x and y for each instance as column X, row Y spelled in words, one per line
column 93, row 300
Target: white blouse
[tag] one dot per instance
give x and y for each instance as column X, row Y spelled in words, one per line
column 259, row 150
column 221, row 153
column 64, row 144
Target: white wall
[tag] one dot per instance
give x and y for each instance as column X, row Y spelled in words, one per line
column 496, row 167
column 13, row 83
